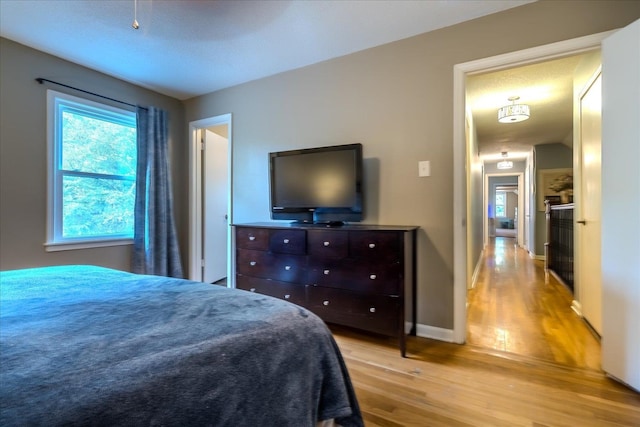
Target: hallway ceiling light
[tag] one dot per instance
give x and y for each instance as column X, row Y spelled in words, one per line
column 505, row 164
column 513, row 112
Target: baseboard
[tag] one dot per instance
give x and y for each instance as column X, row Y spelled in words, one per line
column 433, row 332
column 476, row 271
column 576, row 307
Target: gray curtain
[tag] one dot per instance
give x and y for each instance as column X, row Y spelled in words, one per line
column 155, row 244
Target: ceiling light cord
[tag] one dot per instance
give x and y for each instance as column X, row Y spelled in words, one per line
column 135, row 24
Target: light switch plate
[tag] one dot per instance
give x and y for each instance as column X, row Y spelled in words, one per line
column 424, row 168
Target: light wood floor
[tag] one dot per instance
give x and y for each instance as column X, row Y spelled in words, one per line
column 517, row 308
column 498, row 380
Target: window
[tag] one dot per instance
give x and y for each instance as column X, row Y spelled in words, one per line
column 92, row 173
column 501, row 201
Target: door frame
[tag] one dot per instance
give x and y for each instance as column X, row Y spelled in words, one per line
column 462, row 166
column 195, row 192
column 485, row 216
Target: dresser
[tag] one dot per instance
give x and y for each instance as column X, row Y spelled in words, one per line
column 361, row 276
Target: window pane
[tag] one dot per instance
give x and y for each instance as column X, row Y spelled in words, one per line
column 500, row 203
column 97, row 207
column 100, row 146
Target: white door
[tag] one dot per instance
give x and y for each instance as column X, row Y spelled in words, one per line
column 215, row 203
column 525, row 210
column 589, row 276
column 621, row 205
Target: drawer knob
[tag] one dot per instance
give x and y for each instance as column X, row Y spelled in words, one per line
column 252, row 238
column 252, row 263
column 327, row 243
column 372, row 245
column 372, row 277
column 287, row 267
column 286, row 241
column 252, row 289
column 325, row 302
column 326, row 272
column 372, row 309
column 287, row 296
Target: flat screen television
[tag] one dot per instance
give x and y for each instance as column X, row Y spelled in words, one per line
column 320, row 185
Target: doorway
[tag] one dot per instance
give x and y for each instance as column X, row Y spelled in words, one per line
column 215, row 202
column 504, row 218
column 210, row 199
column 462, row 163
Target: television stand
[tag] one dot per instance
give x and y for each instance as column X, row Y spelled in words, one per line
column 361, row 276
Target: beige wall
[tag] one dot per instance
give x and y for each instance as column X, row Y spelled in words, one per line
column 23, row 155
column 548, row 156
column 396, row 100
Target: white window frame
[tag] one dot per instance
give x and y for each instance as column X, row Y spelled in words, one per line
column 55, row 241
column 504, row 205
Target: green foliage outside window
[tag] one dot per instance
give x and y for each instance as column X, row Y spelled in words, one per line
column 97, row 164
column 500, row 204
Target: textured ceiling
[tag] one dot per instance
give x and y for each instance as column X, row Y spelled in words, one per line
column 188, row 48
column 547, row 88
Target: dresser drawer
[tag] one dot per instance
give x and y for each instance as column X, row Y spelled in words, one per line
column 293, row 293
column 369, row 312
column 374, row 278
column 375, row 245
column 359, row 276
column 252, row 238
column 285, row 241
column 328, row 244
column 282, row 267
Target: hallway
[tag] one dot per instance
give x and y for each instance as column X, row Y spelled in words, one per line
column 516, row 308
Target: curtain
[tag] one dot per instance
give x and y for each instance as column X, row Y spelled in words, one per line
column 155, row 244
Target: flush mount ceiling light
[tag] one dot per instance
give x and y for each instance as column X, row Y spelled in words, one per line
column 513, row 113
column 505, row 164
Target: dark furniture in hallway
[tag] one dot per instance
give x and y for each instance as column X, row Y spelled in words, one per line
column 559, row 245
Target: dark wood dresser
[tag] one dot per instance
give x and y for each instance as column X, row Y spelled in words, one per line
column 362, row 276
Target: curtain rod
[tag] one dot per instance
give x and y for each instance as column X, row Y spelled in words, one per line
column 42, row 80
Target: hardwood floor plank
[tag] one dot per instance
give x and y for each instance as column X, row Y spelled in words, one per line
column 529, row 361
column 447, row 384
column 517, row 307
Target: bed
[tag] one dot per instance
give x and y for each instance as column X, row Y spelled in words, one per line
column 86, row 345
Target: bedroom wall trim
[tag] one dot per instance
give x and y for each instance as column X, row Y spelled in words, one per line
column 476, row 271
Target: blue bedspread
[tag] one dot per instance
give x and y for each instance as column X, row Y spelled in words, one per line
column 83, row 345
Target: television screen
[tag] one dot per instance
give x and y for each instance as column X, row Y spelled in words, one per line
column 318, row 185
